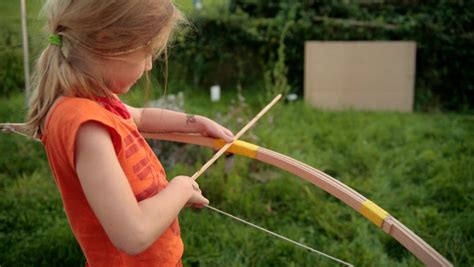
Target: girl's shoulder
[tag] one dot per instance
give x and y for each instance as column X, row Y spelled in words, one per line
column 68, row 108
column 64, row 120
column 68, row 113
column 75, row 105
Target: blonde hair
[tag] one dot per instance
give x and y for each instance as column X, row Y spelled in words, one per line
column 91, row 29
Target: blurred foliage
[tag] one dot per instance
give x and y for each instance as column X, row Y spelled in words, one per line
column 11, row 54
column 250, row 42
column 11, row 61
column 241, row 47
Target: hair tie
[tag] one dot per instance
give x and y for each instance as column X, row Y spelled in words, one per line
column 55, row 39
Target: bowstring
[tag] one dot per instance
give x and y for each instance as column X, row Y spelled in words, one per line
column 278, row 236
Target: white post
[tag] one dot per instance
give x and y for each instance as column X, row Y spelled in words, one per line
column 26, row 57
column 215, row 93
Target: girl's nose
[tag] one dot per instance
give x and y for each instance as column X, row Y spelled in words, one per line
column 148, row 64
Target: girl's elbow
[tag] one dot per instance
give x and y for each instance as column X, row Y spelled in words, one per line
column 139, row 242
column 133, row 244
column 137, row 237
column 132, row 250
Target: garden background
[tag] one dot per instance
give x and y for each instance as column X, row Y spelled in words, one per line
column 418, row 166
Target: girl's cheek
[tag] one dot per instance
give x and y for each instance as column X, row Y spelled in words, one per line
column 124, row 84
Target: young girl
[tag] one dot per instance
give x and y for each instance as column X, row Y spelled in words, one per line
column 121, row 208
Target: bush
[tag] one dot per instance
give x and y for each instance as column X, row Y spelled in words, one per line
column 240, row 48
column 11, row 64
column 11, row 72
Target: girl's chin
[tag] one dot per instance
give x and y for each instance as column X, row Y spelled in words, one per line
column 123, row 90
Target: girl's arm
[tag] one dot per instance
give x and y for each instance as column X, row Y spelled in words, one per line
column 156, row 120
column 131, row 226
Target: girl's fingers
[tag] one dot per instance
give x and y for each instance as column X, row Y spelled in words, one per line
column 218, row 131
column 196, row 186
column 228, row 132
column 227, row 138
column 226, row 135
column 201, row 201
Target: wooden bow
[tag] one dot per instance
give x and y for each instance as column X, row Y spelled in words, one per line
column 382, row 219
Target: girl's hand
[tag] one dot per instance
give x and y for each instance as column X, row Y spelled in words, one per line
column 196, row 199
column 213, row 129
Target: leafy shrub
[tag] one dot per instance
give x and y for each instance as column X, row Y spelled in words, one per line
column 11, row 54
column 11, row 71
column 241, row 47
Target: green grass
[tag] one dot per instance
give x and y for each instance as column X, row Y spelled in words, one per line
column 419, row 167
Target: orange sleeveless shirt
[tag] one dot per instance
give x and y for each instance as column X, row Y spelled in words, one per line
column 143, row 170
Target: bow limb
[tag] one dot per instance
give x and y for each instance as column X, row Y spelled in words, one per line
column 382, row 219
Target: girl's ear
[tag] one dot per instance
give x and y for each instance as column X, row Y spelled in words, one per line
column 149, row 63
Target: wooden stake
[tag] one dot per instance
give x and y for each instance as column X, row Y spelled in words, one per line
column 26, row 56
column 236, row 137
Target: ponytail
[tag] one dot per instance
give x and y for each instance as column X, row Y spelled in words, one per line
column 56, row 76
column 46, row 88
